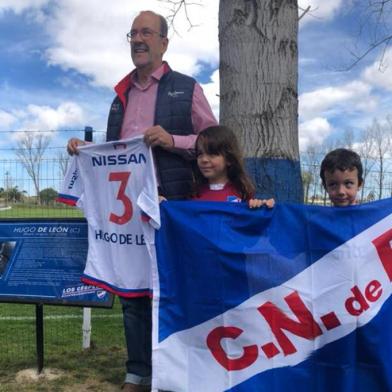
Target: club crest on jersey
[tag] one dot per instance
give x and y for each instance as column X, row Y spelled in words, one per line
column 233, row 199
column 117, row 146
column 121, row 159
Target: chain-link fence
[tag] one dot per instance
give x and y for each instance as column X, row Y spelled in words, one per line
column 30, row 178
column 62, row 334
column 376, row 185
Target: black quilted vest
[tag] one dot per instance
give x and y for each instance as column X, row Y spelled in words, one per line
column 173, row 113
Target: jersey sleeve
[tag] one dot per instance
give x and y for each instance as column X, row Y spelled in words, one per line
column 71, row 189
column 150, row 207
column 148, row 198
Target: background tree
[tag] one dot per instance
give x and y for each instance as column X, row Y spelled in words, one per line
column 381, row 135
column 307, row 179
column 63, row 159
column 366, row 151
column 13, row 194
column 47, row 196
column 30, row 150
column 374, row 29
column 348, row 139
column 8, row 180
column 311, row 159
column 258, row 88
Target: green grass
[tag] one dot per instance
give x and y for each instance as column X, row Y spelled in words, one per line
column 35, row 211
column 102, row 364
column 99, row 368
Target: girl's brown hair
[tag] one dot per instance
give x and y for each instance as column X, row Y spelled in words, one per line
column 221, row 140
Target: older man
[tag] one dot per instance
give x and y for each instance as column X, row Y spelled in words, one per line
column 169, row 109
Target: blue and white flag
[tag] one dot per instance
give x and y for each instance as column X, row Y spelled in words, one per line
column 296, row 298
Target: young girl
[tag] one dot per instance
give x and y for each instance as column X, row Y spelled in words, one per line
column 221, row 174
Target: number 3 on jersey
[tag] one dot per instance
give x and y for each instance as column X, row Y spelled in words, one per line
column 123, row 178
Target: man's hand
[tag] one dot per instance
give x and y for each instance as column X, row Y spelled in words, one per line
column 73, row 144
column 157, row 136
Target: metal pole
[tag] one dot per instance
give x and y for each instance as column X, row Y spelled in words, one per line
column 88, row 134
column 39, row 326
column 86, row 327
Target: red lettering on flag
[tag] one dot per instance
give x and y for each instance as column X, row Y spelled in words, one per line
column 278, row 321
column 384, row 250
column 270, row 350
column 214, row 339
column 330, row 320
column 356, row 304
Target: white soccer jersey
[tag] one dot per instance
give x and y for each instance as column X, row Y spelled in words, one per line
column 114, row 184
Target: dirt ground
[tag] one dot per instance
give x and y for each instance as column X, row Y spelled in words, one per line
column 50, row 379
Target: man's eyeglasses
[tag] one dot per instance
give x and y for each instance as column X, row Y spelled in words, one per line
column 144, row 33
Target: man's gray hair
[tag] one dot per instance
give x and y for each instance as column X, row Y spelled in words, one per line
column 163, row 23
column 164, row 27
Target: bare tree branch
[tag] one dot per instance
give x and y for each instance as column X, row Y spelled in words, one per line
column 304, row 12
column 63, row 162
column 381, row 135
column 374, row 27
column 176, row 7
column 372, row 47
column 365, row 150
column 30, row 150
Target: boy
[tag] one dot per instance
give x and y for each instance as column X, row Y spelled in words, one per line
column 341, row 174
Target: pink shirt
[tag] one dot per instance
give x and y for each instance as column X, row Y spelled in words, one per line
column 139, row 113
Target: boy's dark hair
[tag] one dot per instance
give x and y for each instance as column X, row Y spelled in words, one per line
column 221, row 140
column 341, row 159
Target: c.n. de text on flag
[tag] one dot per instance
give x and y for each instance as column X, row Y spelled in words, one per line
column 297, row 298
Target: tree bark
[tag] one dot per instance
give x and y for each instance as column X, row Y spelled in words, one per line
column 258, row 90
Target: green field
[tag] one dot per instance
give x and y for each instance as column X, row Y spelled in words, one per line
column 103, row 362
column 99, row 368
column 35, row 211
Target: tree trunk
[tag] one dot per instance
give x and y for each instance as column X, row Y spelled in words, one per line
column 258, row 90
column 381, row 177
